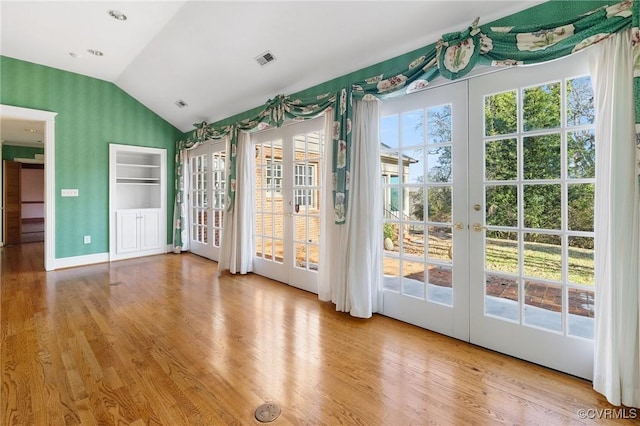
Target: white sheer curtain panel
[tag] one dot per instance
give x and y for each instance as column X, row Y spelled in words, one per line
column 617, row 230
column 351, row 254
column 181, row 210
column 332, row 286
column 236, row 251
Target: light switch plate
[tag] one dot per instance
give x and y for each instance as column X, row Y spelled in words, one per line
column 69, row 193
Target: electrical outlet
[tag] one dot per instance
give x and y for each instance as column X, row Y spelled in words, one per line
column 68, row 192
column 87, row 239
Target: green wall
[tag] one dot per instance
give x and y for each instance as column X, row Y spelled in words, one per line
column 9, row 152
column 91, row 114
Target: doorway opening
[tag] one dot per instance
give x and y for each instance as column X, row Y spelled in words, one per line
column 25, row 121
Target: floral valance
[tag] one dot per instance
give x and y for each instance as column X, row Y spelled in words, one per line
column 274, row 114
column 456, row 54
column 452, row 57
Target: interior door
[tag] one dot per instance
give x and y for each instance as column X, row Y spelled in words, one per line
column 206, row 199
column 12, row 203
column 533, row 180
column 424, row 179
column 288, row 194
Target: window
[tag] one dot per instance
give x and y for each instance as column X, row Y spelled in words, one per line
column 304, row 179
column 273, row 178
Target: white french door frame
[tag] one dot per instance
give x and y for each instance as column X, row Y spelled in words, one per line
column 285, row 269
column 445, row 319
column 557, row 350
column 212, row 190
column 522, row 341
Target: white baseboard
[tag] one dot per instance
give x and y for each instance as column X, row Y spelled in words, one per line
column 70, row 262
column 90, row 259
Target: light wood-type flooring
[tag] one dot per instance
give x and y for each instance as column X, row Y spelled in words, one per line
column 167, row 340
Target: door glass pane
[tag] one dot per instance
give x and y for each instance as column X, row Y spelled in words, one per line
column 541, row 157
column 541, row 107
column 413, row 243
column 500, row 114
column 440, row 284
column 581, row 312
column 389, row 131
column 581, row 263
column 390, row 233
column 501, row 297
column 315, row 145
column 412, row 128
column 502, row 252
column 301, row 255
column 259, row 247
column 543, row 256
column 580, row 108
column 439, row 164
column 501, row 159
column 440, row 243
column 501, row 205
column 580, row 206
column 391, row 272
column 439, row 204
column 413, row 279
column 543, row 305
column 411, row 204
column 439, row 124
column 542, row 206
column 581, row 154
column 413, row 165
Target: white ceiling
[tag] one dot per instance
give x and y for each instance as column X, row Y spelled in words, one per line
column 21, row 132
column 203, row 51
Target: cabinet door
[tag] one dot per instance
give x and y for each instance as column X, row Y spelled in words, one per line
column 127, row 231
column 150, row 229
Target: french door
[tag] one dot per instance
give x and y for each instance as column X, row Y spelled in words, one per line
column 489, row 212
column 532, row 233
column 288, row 182
column 206, row 199
column 424, row 179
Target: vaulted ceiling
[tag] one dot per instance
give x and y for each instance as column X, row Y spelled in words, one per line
column 203, row 52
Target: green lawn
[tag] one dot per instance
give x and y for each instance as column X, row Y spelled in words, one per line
column 540, row 260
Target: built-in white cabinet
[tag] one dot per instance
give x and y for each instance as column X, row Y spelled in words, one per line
column 138, row 212
column 137, row 230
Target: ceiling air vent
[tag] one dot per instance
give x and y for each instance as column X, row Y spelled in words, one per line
column 181, row 104
column 264, row 58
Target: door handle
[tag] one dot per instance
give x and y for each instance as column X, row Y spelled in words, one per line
column 458, row 226
column 477, row 227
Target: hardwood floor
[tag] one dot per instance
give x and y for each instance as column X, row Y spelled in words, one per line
column 168, row 340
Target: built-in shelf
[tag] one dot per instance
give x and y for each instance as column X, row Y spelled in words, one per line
column 138, row 169
column 138, row 218
column 137, row 165
column 137, row 179
column 137, row 183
